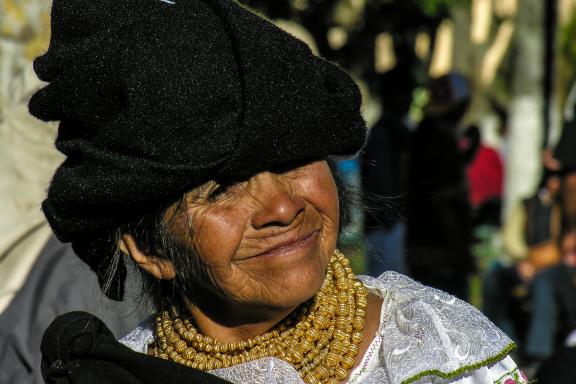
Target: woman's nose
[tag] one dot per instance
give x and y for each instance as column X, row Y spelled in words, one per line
column 278, row 203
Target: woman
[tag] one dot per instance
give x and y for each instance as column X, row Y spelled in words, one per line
column 197, row 136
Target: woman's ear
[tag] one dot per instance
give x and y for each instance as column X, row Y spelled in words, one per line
column 161, row 269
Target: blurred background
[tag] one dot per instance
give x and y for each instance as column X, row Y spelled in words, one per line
column 468, row 178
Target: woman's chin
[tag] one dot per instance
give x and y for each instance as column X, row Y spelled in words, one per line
column 285, row 289
column 297, row 286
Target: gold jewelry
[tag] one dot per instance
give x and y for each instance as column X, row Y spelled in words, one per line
column 320, row 338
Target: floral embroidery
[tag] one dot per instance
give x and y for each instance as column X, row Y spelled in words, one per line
column 515, row 376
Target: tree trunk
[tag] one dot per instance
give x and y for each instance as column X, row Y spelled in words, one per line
column 526, row 123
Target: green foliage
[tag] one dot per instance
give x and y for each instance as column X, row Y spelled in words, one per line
column 435, row 7
column 568, row 47
column 568, row 38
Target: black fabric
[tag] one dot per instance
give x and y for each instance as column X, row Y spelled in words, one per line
column 566, row 149
column 558, row 369
column 155, row 98
column 77, row 348
column 538, row 227
column 59, row 282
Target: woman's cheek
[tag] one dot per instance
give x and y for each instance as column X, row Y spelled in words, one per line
column 219, row 230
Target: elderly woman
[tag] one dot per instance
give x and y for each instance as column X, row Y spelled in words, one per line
column 197, row 136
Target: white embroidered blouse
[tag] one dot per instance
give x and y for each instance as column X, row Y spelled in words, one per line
column 425, row 336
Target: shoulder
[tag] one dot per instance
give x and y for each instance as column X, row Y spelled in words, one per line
column 427, row 333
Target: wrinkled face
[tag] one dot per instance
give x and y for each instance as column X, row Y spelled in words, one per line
column 267, row 240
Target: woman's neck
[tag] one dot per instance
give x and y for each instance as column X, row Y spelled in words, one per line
column 233, row 322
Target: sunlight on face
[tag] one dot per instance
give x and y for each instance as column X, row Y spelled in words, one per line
column 267, row 240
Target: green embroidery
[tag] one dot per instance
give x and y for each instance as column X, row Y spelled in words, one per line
column 514, row 373
column 508, row 374
column 467, row 368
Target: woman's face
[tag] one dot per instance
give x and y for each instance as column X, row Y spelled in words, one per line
column 265, row 241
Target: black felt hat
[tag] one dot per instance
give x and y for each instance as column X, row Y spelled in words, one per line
column 155, row 97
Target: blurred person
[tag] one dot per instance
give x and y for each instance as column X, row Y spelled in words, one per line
column 568, row 196
column 553, row 315
column 485, row 170
column 530, row 237
column 485, row 174
column 384, row 174
column 565, row 152
column 439, row 214
column 558, row 368
column 565, row 156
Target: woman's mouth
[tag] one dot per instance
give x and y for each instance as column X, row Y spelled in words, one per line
column 295, row 245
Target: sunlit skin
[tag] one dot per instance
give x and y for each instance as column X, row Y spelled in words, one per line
column 265, row 243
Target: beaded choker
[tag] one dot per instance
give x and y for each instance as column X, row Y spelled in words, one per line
column 320, row 338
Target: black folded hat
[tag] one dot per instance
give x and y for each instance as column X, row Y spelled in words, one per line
column 156, row 97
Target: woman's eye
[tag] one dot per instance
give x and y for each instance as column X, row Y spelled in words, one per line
column 221, row 191
column 217, row 192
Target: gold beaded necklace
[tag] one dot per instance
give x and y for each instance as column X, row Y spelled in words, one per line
column 320, row 339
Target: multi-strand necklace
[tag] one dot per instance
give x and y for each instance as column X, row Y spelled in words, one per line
column 320, row 339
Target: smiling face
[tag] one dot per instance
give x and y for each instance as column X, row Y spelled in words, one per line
column 265, row 241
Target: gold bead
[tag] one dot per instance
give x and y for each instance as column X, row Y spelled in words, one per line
column 305, row 345
column 189, row 353
column 336, row 347
column 322, row 372
column 359, row 323
column 340, row 335
column 343, row 285
column 322, row 340
column 353, row 350
column 321, row 322
column 340, row 373
column 342, row 309
column 311, row 379
column 357, row 337
column 347, row 362
column 332, row 359
column 312, row 334
column 296, row 355
column 180, row 346
column 342, row 323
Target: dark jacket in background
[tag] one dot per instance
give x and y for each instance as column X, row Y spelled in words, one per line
column 439, row 213
column 384, row 170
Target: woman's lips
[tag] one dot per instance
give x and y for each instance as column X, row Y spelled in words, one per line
column 299, row 244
